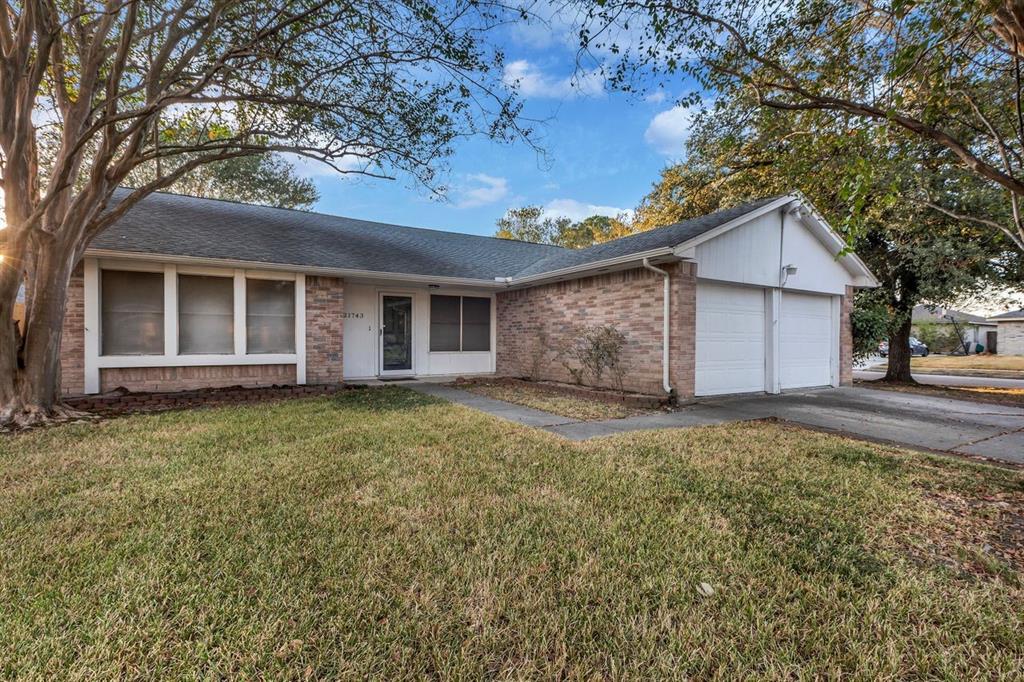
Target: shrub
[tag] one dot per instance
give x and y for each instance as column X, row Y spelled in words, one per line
column 595, row 351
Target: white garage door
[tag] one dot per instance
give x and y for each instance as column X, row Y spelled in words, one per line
column 805, row 341
column 730, row 339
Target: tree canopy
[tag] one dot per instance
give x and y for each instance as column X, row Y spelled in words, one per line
column 119, row 89
column 265, row 179
column 941, row 72
column 529, row 224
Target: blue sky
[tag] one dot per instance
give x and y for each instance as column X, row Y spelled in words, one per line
column 603, row 150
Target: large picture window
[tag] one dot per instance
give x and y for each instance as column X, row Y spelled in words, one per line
column 269, row 316
column 206, row 315
column 131, row 313
column 460, row 323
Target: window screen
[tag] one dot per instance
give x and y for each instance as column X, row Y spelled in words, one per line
column 444, row 323
column 206, row 314
column 476, row 323
column 131, row 313
column 269, row 316
column 460, row 323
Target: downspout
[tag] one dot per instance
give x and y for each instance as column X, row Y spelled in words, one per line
column 664, row 334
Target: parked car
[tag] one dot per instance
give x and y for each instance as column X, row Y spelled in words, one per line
column 916, row 348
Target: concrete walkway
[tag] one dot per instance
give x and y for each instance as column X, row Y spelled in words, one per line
column 923, row 422
column 499, row 408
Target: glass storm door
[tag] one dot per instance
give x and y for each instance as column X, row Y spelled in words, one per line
column 395, row 334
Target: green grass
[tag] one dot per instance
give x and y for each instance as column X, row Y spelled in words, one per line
column 383, row 534
column 547, row 400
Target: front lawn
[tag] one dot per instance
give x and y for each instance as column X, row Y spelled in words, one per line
column 383, row 534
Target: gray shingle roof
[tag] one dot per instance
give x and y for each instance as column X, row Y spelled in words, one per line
column 923, row 313
column 177, row 225
column 668, row 236
column 1008, row 315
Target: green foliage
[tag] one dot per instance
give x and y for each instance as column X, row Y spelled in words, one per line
column 940, row 338
column 870, row 325
column 265, row 179
column 529, row 224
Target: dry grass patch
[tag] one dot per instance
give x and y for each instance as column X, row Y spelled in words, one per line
column 1002, row 363
column 983, row 394
column 383, row 534
column 547, row 400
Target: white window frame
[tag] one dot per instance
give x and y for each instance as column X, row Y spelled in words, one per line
column 94, row 362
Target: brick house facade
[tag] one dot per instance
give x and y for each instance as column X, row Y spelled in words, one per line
column 372, row 300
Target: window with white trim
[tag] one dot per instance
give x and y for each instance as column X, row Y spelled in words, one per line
column 460, row 323
column 269, row 316
column 206, row 315
column 131, row 313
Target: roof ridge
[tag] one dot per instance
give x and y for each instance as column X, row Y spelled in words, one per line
column 362, row 220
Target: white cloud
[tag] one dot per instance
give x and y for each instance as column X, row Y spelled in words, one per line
column 669, row 130
column 578, row 210
column 530, row 81
column 488, row 190
column 656, row 97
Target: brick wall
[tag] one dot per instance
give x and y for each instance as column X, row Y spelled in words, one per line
column 72, row 338
column 1010, row 338
column 325, row 304
column 183, row 378
column 846, row 339
column 532, row 322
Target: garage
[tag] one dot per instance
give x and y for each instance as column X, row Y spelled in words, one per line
column 730, row 339
column 806, row 341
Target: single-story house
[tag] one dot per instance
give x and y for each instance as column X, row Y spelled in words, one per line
column 974, row 329
column 185, row 293
column 1010, row 332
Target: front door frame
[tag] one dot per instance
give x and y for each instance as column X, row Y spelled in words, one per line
column 380, row 333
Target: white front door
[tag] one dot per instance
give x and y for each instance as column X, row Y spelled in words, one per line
column 806, row 341
column 730, row 339
column 396, row 332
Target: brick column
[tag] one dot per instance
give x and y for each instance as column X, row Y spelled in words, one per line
column 72, row 337
column 846, row 339
column 682, row 334
column 325, row 304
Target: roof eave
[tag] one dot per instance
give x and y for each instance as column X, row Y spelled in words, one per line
column 292, row 267
column 586, row 269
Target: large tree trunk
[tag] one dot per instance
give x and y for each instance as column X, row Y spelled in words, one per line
column 30, row 374
column 899, row 353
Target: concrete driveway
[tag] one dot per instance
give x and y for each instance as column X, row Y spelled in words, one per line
column 960, row 426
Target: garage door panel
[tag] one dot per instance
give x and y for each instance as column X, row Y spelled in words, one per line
column 805, row 341
column 729, row 339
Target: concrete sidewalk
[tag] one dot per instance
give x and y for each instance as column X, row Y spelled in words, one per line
column 916, row 421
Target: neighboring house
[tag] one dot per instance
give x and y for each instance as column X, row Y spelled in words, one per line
column 1011, row 332
column 184, row 293
column 974, row 329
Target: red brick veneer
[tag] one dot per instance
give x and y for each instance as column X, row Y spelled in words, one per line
column 325, row 304
column 72, row 338
column 846, row 339
column 630, row 300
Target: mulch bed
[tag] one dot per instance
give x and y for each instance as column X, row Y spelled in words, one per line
column 121, row 401
column 638, row 400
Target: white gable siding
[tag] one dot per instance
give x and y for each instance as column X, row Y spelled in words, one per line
column 750, row 254
column 817, row 268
